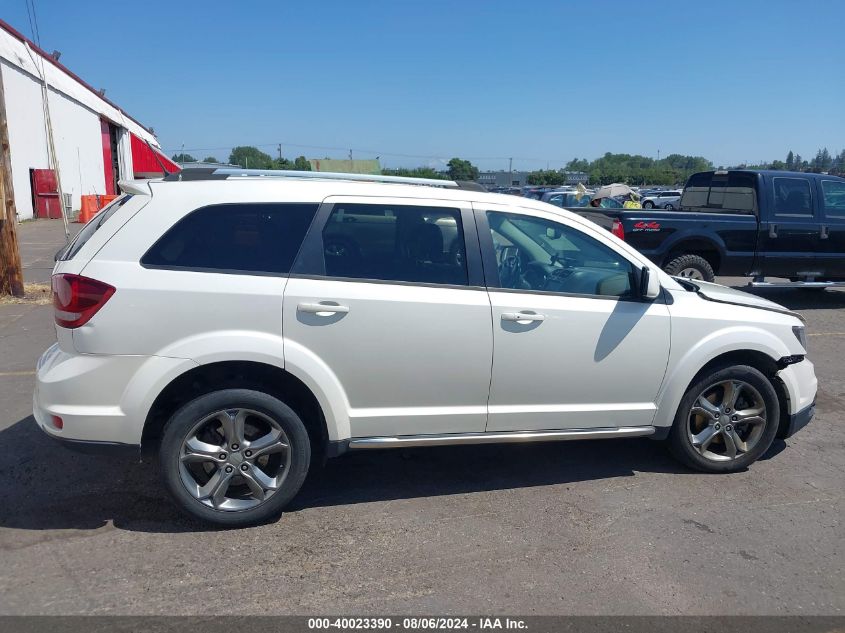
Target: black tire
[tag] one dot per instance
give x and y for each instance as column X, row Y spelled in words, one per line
column 680, row 442
column 669, row 206
column 182, row 423
column 695, row 262
column 648, row 204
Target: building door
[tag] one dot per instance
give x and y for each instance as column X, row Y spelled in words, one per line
column 111, row 161
column 45, row 194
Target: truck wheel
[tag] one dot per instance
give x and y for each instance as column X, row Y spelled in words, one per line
column 691, row 267
column 234, row 457
column 726, row 420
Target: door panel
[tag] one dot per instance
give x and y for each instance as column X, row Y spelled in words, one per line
column 588, row 363
column 791, row 239
column 388, row 295
column 410, row 359
column 572, row 349
column 831, row 255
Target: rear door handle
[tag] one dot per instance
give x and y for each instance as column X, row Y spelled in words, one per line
column 773, row 230
column 324, row 308
column 824, row 232
column 522, row 316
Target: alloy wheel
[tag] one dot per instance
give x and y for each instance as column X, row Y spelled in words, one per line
column 691, row 273
column 727, row 420
column 234, row 459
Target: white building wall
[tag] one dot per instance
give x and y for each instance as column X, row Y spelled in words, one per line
column 27, row 139
column 75, row 112
column 76, row 134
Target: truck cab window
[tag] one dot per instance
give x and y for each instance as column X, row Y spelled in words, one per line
column 792, row 197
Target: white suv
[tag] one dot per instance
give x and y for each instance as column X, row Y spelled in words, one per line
column 246, row 326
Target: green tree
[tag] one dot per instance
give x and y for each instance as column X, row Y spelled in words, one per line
column 790, row 160
column 250, row 158
column 210, row 159
column 460, row 169
column 301, row 164
column 546, row 177
column 183, row 158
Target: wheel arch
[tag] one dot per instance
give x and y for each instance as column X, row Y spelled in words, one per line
column 739, row 346
column 231, row 374
column 685, row 244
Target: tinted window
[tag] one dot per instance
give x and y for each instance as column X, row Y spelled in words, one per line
column 733, row 192
column 792, row 196
column 537, row 254
column 834, row 198
column 249, row 238
column 395, row 243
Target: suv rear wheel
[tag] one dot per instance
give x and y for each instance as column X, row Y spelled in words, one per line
column 234, row 457
column 726, row 420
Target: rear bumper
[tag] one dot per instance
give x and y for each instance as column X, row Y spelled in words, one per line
column 796, row 421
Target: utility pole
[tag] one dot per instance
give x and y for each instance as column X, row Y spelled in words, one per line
column 280, row 153
column 11, row 274
column 510, row 172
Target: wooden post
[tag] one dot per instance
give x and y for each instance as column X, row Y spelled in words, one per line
column 11, row 274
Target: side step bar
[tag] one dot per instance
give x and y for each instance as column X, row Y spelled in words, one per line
column 796, row 284
column 448, row 439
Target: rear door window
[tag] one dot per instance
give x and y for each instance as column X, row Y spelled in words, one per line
column 792, row 197
column 395, row 243
column 249, row 238
column 834, row 198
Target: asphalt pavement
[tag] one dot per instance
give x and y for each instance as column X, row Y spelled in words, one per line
column 595, row 527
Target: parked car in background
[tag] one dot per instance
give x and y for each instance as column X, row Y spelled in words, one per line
column 746, row 222
column 207, row 321
column 566, row 199
column 668, row 200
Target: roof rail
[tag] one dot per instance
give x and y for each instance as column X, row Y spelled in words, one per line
column 224, row 173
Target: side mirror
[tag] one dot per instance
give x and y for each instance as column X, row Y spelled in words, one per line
column 649, row 284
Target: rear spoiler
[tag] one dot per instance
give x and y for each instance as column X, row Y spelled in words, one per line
column 136, row 187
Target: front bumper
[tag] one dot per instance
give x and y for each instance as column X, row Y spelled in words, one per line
column 796, row 421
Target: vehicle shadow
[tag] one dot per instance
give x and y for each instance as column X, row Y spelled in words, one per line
column 49, row 487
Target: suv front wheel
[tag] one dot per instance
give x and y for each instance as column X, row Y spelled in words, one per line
column 234, row 457
column 727, row 419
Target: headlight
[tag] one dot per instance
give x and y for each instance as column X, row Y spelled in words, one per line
column 801, row 335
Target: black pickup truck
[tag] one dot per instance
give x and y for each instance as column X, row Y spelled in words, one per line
column 744, row 222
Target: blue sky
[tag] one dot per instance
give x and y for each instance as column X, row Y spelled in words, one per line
column 420, row 82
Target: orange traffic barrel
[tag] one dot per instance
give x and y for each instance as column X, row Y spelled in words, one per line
column 88, row 209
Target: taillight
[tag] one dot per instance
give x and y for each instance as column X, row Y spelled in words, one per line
column 618, row 230
column 76, row 299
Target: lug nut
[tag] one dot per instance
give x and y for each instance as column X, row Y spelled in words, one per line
column 234, row 447
column 716, row 416
column 718, row 426
column 734, row 419
column 222, row 455
column 229, row 469
column 729, row 428
column 727, row 409
column 248, row 453
column 244, row 467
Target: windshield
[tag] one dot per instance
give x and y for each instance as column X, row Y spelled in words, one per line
column 69, row 251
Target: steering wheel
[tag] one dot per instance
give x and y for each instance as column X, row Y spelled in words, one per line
column 510, row 267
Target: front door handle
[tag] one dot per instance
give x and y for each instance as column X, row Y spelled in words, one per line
column 324, row 308
column 824, row 232
column 523, row 316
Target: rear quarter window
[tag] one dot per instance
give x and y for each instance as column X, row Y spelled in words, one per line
column 87, row 232
column 249, row 238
